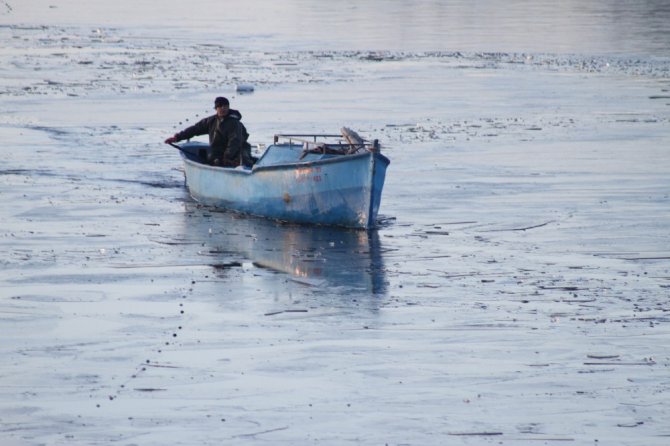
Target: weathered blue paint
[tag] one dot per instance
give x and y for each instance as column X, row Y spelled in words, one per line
column 342, row 190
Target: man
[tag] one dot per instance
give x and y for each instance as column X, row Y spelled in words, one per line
column 227, row 136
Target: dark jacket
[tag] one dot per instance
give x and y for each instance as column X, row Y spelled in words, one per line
column 227, row 139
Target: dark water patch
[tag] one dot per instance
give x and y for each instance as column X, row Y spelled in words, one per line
column 61, row 349
column 177, row 242
column 35, row 173
column 593, row 356
column 643, row 362
column 563, row 288
column 42, row 298
column 220, row 251
column 163, row 366
column 274, row 313
column 72, row 279
column 153, row 184
column 635, row 259
column 474, row 434
column 52, row 131
column 24, row 27
column 26, row 172
column 523, row 228
column 225, row 266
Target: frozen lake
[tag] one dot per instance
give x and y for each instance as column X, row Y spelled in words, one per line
column 516, row 291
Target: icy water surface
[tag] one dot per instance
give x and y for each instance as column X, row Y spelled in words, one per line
column 516, row 290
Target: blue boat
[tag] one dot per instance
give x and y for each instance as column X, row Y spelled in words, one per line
column 311, row 179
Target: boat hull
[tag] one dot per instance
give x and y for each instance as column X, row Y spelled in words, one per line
column 343, row 190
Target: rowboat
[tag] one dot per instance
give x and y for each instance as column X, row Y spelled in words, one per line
column 310, row 179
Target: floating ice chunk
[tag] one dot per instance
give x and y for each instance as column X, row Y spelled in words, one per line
column 244, row 88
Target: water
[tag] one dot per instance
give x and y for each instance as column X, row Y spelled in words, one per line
column 572, row 26
column 516, row 290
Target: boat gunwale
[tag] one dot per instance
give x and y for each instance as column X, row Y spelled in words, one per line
column 333, row 160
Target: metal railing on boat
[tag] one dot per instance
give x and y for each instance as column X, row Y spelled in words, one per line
column 309, row 139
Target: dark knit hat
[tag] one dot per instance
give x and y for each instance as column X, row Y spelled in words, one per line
column 221, row 101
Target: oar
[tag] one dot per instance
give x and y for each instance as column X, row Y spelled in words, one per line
column 181, row 149
column 202, row 157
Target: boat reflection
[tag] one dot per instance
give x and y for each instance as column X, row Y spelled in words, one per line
column 315, row 255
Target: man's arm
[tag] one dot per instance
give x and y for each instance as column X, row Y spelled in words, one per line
column 199, row 128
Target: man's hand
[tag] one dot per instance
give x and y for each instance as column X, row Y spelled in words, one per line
column 171, row 140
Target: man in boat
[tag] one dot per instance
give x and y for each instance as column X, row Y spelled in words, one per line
column 227, row 136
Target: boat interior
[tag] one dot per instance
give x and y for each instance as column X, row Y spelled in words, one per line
column 294, row 148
